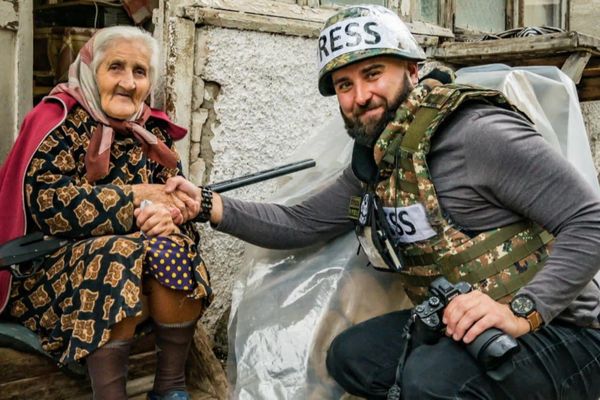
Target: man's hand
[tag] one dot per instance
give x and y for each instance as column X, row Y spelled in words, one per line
column 155, row 220
column 179, row 186
column 468, row 315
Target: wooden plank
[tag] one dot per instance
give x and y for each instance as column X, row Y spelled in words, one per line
column 556, row 60
column 276, row 17
column 268, row 8
column 590, row 72
column 50, row 386
column 528, row 46
column 273, row 24
column 589, row 89
column 446, row 13
column 253, row 22
column 424, row 28
column 575, row 64
column 588, row 42
column 15, row 365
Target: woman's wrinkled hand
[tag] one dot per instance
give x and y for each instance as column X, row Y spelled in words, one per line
column 155, row 220
column 470, row 314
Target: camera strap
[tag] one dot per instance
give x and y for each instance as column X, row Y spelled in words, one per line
column 396, row 390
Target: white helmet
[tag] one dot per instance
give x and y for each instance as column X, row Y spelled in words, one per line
column 359, row 32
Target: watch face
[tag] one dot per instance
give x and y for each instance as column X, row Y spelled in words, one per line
column 522, row 305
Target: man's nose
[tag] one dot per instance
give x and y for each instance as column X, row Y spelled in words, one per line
column 362, row 94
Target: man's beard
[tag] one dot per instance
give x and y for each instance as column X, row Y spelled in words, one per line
column 367, row 134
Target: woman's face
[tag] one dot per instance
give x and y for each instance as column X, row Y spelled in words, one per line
column 123, row 78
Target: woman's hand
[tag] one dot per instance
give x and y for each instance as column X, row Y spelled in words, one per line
column 155, row 220
column 156, row 193
column 468, row 315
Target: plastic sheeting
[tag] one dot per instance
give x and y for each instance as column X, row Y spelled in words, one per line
column 287, row 306
column 549, row 97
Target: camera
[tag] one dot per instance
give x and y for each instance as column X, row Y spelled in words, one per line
column 492, row 348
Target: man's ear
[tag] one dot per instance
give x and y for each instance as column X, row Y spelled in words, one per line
column 413, row 72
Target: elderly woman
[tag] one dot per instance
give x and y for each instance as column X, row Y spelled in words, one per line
column 85, row 161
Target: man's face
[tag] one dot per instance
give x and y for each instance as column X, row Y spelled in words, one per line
column 370, row 91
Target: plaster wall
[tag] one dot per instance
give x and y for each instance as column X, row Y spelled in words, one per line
column 583, row 16
column 255, row 100
column 591, row 116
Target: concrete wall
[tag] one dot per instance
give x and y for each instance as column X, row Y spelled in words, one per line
column 255, row 99
column 591, row 116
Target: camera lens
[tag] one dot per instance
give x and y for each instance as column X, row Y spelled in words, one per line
column 492, row 348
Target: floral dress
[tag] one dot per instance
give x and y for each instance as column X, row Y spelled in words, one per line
column 94, row 282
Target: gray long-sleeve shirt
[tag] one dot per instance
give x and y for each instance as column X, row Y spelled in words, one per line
column 490, row 168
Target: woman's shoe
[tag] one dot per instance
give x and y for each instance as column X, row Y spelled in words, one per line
column 170, row 395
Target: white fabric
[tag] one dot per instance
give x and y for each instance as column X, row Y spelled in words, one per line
column 409, row 224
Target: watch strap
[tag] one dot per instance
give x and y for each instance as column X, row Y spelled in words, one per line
column 535, row 320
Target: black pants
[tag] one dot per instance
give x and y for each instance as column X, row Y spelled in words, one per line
column 557, row 362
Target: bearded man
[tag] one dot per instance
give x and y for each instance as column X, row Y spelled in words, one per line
column 454, row 182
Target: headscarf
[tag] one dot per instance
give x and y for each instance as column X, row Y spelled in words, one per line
column 83, row 87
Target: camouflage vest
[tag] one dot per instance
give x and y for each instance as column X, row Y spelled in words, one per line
column 424, row 241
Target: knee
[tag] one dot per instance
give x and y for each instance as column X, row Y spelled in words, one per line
column 335, row 359
column 417, row 374
column 343, row 363
column 125, row 329
column 171, row 306
column 438, row 371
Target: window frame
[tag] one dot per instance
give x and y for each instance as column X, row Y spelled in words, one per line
column 515, row 14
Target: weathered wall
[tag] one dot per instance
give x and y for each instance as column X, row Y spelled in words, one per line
column 583, row 16
column 255, row 99
column 591, row 115
column 16, row 64
column 7, row 104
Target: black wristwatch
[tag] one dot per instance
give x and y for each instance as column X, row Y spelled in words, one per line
column 523, row 306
